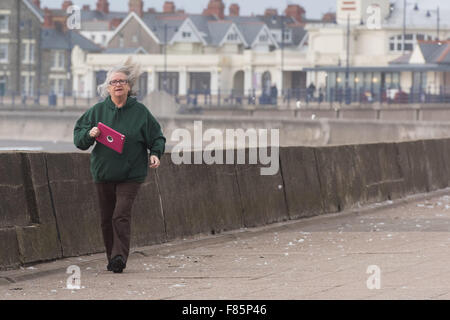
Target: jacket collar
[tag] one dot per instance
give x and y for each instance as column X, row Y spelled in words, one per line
column 130, row 102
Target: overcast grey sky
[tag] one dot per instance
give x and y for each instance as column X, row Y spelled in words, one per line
column 314, row 8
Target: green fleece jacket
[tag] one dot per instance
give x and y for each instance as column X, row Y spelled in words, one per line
column 141, row 131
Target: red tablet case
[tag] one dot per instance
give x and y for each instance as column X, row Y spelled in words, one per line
column 110, row 138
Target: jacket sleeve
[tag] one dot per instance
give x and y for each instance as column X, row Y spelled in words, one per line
column 156, row 142
column 81, row 137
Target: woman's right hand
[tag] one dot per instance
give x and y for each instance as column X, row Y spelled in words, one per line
column 95, row 132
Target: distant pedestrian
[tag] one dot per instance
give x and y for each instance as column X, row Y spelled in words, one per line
column 311, row 91
column 320, row 95
column 118, row 177
column 273, row 94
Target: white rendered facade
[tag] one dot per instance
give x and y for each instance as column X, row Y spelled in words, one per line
column 374, row 47
column 241, row 71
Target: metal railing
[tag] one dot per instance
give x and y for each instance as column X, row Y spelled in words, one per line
column 342, row 95
column 288, row 98
column 226, row 98
column 82, row 100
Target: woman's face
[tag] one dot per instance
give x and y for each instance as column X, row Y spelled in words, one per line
column 118, row 86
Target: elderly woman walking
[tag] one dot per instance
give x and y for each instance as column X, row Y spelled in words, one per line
column 118, row 176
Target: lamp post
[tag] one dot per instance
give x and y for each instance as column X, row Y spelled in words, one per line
column 405, row 4
column 347, row 65
column 30, row 57
column 282, row 52
column 438, row 20
column 404, row 27
column 26, row 58
column 165, row 58
column 166, row 28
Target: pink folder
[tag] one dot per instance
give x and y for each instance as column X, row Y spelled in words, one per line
column 110, row 138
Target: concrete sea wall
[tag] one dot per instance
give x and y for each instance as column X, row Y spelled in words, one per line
column 49, row 209
column 58, row 127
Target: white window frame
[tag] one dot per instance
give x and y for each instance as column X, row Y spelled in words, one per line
column 287, row 35
column 61, row 83
column 58, row 57
column 6, row 25
column 57, row 85
column 6, row 48
column 233, row 37
column 28, row 84
column 28, row 52
column 397, row 40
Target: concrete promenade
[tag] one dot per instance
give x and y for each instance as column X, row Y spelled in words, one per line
column 324, row 257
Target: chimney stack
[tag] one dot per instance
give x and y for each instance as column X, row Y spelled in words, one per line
column 234, row 10
column 329, row 17
column 66, row 4
column 295, row 11
column 37, row 3
column 136, row 6
column 215, row 8
column 48, row 19
column 270, row 12
column 103, row 6
column 169, row 7
column 114, row 23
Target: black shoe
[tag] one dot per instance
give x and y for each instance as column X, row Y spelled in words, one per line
column 117, row 264
column 108, row 267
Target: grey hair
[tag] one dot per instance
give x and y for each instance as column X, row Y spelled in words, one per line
column 130, row 69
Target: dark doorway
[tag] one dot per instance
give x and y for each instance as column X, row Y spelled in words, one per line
column 200, row 82
column 171, row 85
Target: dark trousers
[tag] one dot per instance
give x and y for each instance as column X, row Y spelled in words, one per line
column 116, row 201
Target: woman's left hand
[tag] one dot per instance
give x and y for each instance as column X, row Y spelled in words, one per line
column 154, row 162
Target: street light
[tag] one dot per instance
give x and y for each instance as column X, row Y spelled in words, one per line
column 283, row 29
column 166, row 27
column 405, row 4
column 438, row 20
column 347, row 66
column 26, row 90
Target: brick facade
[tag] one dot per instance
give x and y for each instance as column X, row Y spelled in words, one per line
column 23, row 28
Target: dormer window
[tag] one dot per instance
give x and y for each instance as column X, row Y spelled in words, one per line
column 263, row 38
column 287, row 35
column 232, row 37
column 186, row 35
